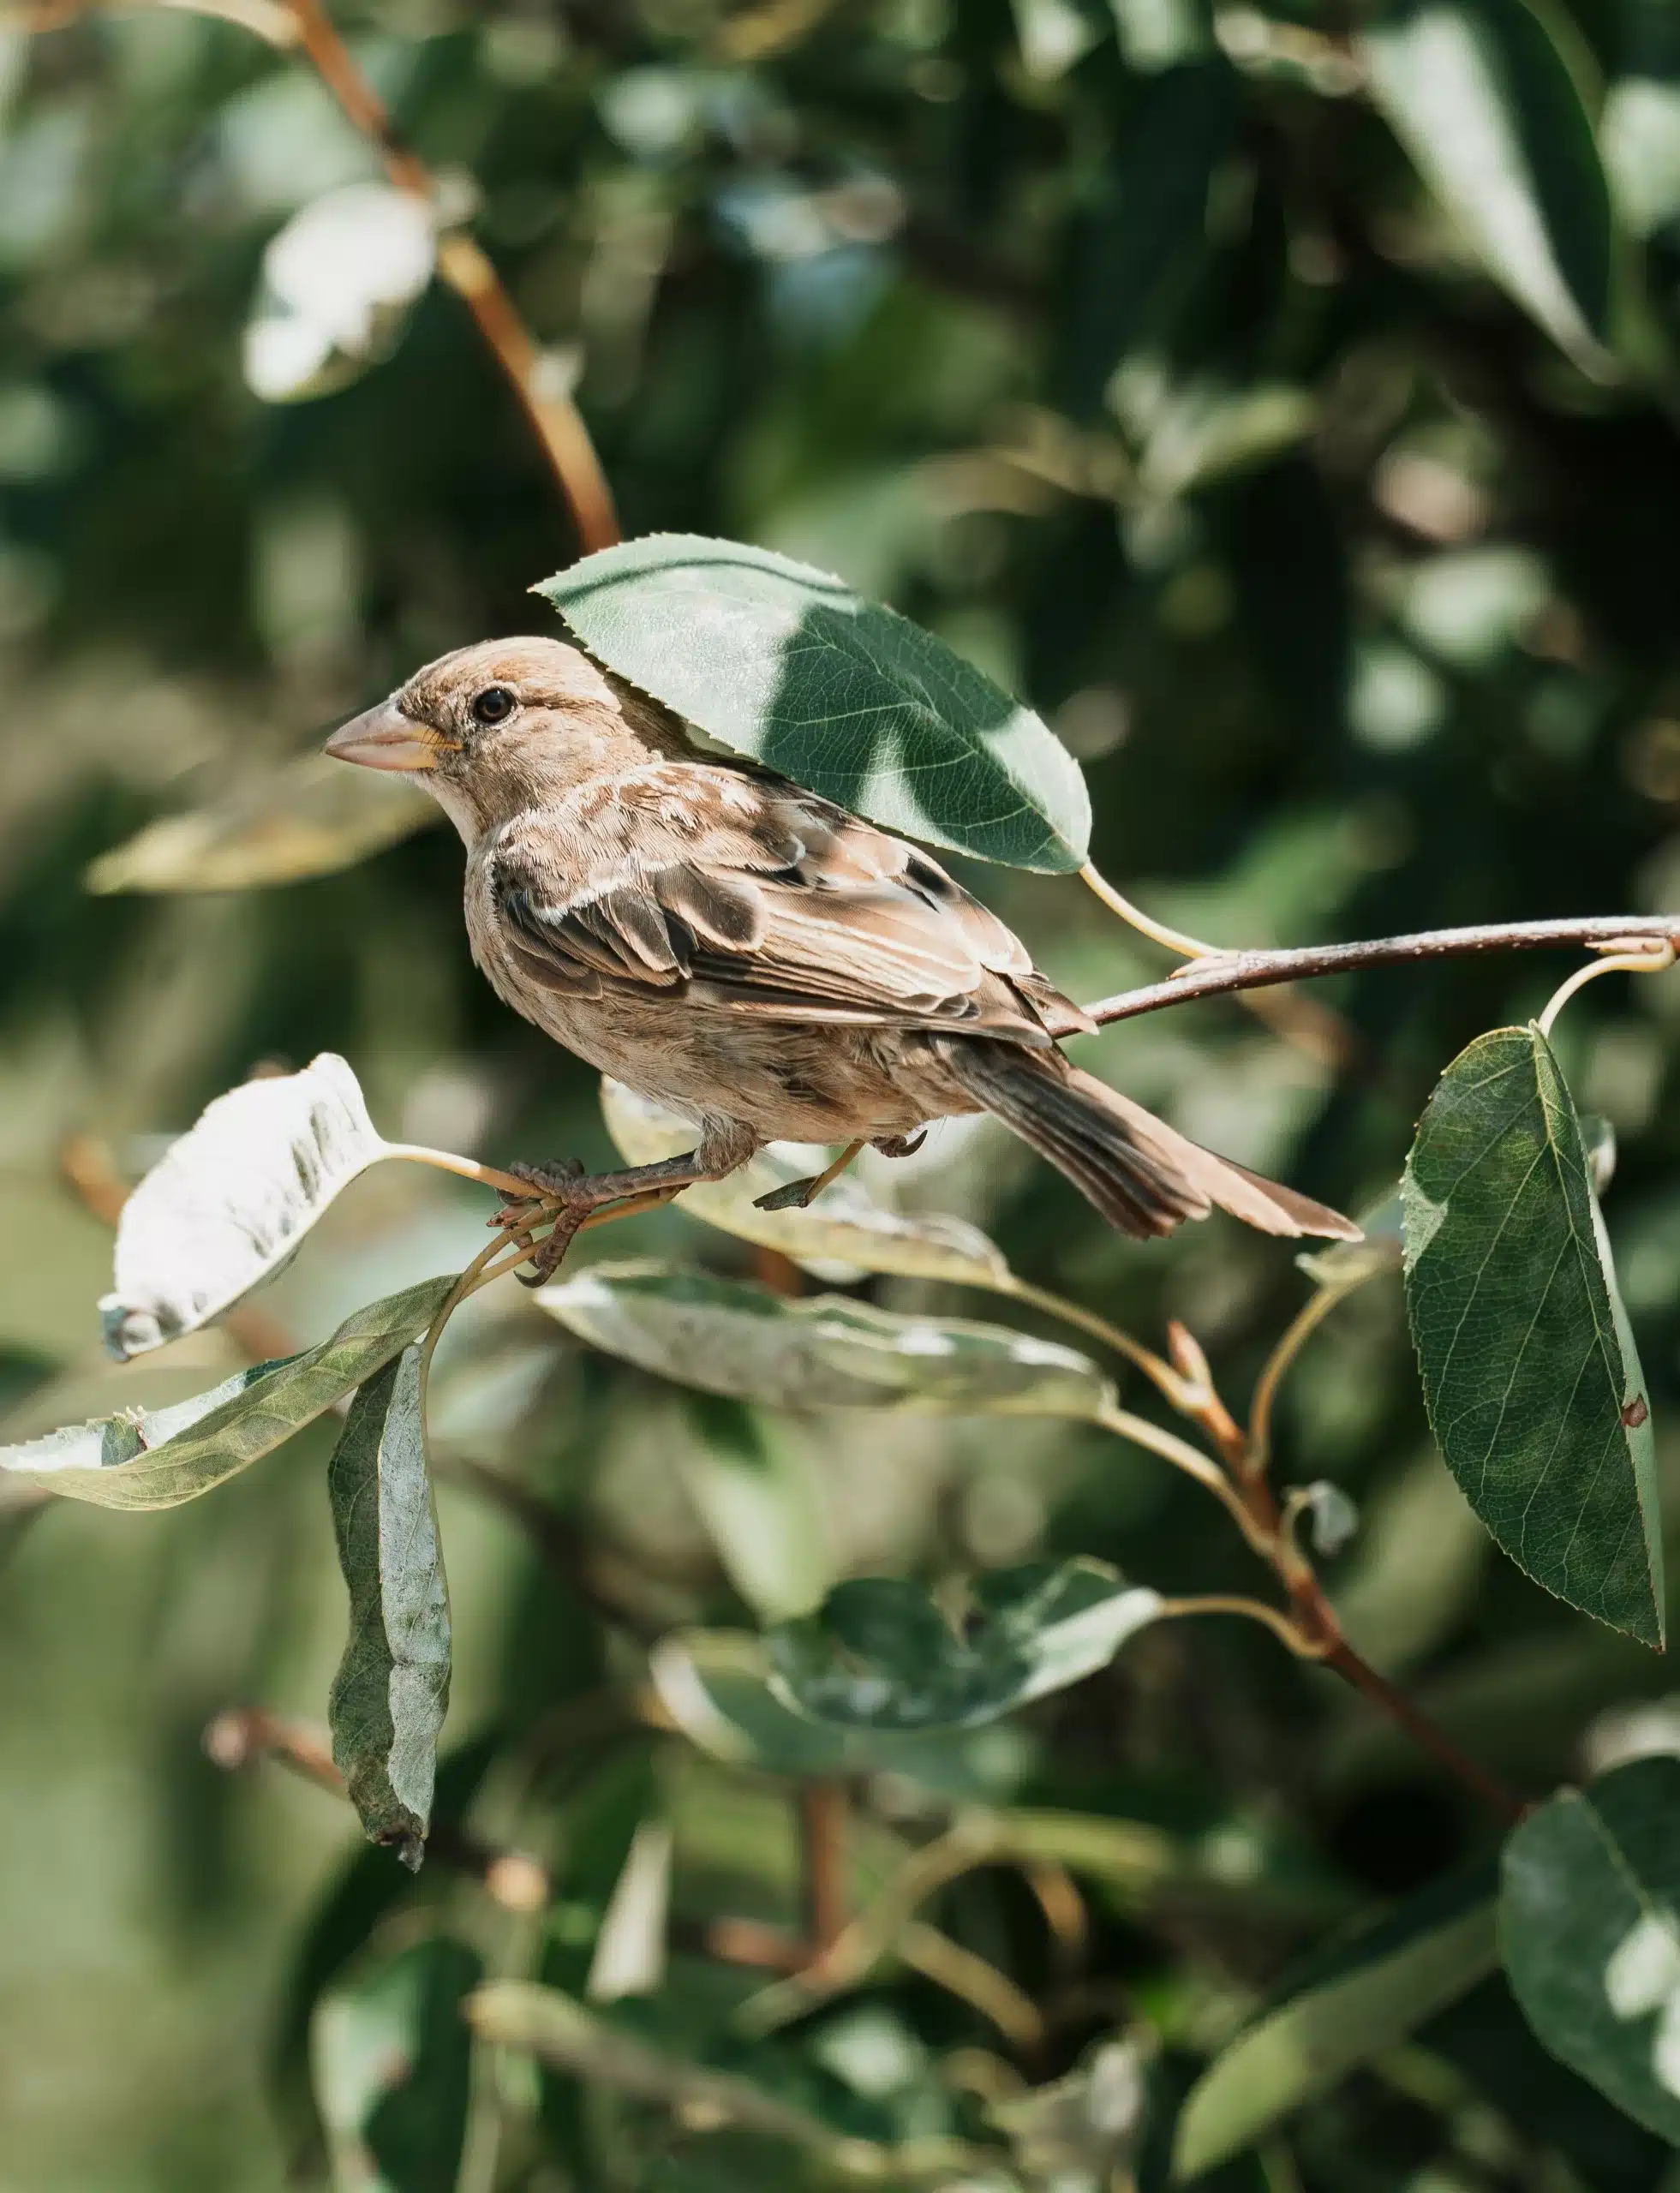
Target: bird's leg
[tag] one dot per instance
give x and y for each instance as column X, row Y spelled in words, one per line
column 800, row 1195
column 583, row 1198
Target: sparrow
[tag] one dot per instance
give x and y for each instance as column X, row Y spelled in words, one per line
column 755, row 959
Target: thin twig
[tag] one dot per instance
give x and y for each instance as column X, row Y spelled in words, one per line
column 554, row 418
column 1303, row 1647
column 973, row 1981
column 822, row 1824
column 1192, row 1460
column 1247, row 971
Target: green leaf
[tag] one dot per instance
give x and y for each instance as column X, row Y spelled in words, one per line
column 755, row 1489
column 787, row 666
column 157, row 1458
column 715, row 1685
column 227, row 1205
column 1357, row 2003
column 310, row 816
column 392, row 2057
column 1085, row 2129
column 392, row 1690
column 1534, row 1391
column 845, row 1233
column 1589, row 1928
column 881, row 1655
column 1482, row 96
column 726, row 1336
column 1143, row 232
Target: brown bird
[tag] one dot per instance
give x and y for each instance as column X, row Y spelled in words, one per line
column 754, row 957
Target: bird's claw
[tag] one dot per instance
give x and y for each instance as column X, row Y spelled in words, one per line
column 549, row 1183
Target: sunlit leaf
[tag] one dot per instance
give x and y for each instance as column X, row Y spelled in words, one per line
column 1589, row 1927
column 1083, row 2129
column 630, row 1950
column 880, row 1654
column 715, row 1686
column 308, row 817
column 392, row 2060
column 1486, row 103
column 392, row 1690
column 1355, row 2004
column 845, row 1232
column 227, row 1205
column 158, row 1458
column 338, row 282
column 1534, row 1392
column 729, row 1337
column 787, row 666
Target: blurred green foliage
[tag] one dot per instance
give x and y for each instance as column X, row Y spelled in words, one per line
column 1123, row 347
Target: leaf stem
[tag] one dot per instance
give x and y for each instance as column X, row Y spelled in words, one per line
column 1161, row 1374
column 1256, row 1455
column 1303, row 1647
column 1174, row 940
column 468, row 1169
column 1230, row 972
column 1207, row 1473
column 1651, row 959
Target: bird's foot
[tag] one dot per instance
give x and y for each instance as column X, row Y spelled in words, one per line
column 555, row 1183
column 900, row 1146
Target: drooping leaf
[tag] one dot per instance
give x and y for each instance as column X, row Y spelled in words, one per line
column 392, row 1690
column 1589, row 1928
column 1534, row 1391
column 1142, row 232
column 391, row 2058
column 1484, row 99
column 787, row 666
column 310, row 816
column 158, row 1458
column 338, row 282
column 845, row 1232
column 879, row 1654
column 1354, row 2005
column 755, row 1488
column 227, row 1204
column 726, row 1336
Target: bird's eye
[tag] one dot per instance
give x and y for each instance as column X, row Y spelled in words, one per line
column 495, row 704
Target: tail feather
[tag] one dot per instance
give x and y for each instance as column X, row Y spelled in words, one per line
column 1143, row 1176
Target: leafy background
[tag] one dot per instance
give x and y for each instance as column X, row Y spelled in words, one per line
column 1123, row 347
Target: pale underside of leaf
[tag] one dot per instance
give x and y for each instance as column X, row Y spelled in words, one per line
column 823, row 1352
column 150, row 1459
column 228, row 1202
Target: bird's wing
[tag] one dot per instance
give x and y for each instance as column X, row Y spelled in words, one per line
column 763, row 899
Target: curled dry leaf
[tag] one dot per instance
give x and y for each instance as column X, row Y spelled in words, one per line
column 844, row 1233
column 729, row 1337
column 227, row 1204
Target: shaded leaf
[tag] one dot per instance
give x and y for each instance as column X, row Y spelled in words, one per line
column 845, row 1232
column 338, row 282
column 1354, row 2005
column 755, row 1489
column 228, row 1202
column 310, row 816
column 880, row 1654
column 392, row 1690
column 1589, row 1928
column 1534, row 1392
column 157, row 1458
column 787, row 666
column 391, row 2058
column 715, row 1685
column 729, row 1337
column 1485, row 102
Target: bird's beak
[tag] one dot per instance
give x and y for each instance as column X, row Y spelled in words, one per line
column 384, row 739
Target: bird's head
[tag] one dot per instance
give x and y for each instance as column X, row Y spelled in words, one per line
column 505, row 725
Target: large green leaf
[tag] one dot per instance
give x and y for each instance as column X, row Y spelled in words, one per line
column 1358, row 2002
column 392, row 1690
column 787, row 666
column 880, row 1654
column 227, row 1204
column 157, row 1458
column 391, row 2058
column 1534, row 1391
column 726, row 1336
column 1589, row 1928
column 845, row 1232
column 1482, row 96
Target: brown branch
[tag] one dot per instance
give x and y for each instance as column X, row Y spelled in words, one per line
column 1247, row 971
column 822, row 1814
column 554, row 418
